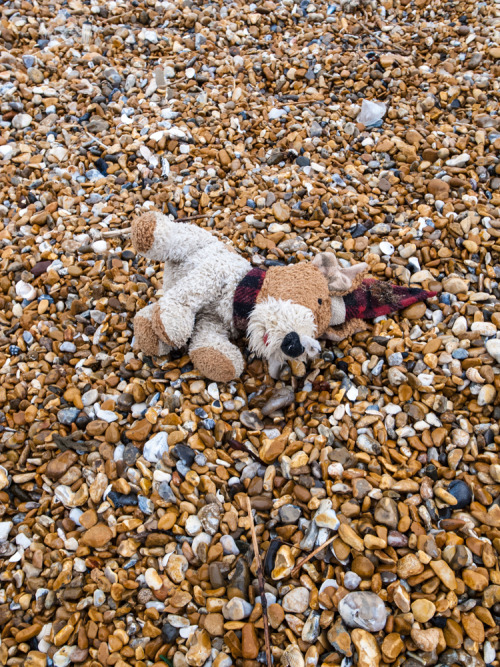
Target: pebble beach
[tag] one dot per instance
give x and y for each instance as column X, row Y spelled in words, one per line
column 345, row 514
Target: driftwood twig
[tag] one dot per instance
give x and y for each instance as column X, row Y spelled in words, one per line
column 260, row 577
column 311, row 555
column 127, row 230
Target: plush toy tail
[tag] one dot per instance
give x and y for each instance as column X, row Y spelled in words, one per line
column 375, row 298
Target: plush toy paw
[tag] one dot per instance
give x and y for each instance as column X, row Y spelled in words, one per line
column 145, row 339
column 143, row 232
column 172, row 322
column 342, row 331
column 218, row 360
column 214, row 364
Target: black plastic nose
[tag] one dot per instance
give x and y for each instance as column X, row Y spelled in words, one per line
column 291, row 345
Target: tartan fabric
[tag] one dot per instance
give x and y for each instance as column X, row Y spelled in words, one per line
column 245, row 297
column 375, row 298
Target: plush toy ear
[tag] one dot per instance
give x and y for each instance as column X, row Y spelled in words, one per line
column 340, row 280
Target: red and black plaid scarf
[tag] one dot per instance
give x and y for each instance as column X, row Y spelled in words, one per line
column 245, row 297
column 373, row 299
column 376, row 298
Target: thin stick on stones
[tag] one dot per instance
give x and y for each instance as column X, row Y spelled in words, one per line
column 127, row 230
column 311, row 555
column 116, row 232
column 260, row 577
column 98, row 141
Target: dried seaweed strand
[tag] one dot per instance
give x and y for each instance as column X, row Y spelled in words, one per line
column 260, row 577
column 311, row 555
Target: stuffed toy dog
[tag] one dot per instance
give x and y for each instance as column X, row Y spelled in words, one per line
column 212, row 294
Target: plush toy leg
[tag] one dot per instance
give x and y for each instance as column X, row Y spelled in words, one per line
column 173, row 321
column 158, row 237
column 175, row 312
column 212, row 353
column 345, row 330
column 145, row 339
column 170, row 275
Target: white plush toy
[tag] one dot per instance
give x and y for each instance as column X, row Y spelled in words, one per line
column 212, row 295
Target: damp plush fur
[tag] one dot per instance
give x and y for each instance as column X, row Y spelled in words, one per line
column 211, row 295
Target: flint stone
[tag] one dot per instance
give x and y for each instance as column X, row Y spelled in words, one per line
column 363, row 609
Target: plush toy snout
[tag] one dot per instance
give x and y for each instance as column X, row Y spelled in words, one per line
column 291, row 345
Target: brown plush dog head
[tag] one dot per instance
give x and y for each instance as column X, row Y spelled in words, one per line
column 294, row 306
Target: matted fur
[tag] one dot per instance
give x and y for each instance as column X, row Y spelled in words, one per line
column 272, row 319
column 143, row 232
column 303, row 284
column 357, row 282
column 200, row 276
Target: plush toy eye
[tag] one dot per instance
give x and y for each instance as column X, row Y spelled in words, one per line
column 320, row 301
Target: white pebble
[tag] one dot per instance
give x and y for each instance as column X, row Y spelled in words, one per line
column 458, row 160
column 276, row 113
column 335, row 469
column 22, row 540
column 105, row 415
column 459, row 326
column 62, row 658
column 193, row 525
column 386, row 248
column 138, row 409
column 493, row 348
column 79, row 565
column 71, row 544
column 7, row 151
column 99, row 246
column 213, row 391
column 484, row 328
column 153, row 579
column 155, row 447
column 229, row 546
column 489, row 653
column 75, row 515
column 99, row 597
column 5, row 528
column 21, row 120
column 90, row 397
column 25, row 290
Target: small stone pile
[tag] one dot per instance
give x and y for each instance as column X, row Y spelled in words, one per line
column 288, row 128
